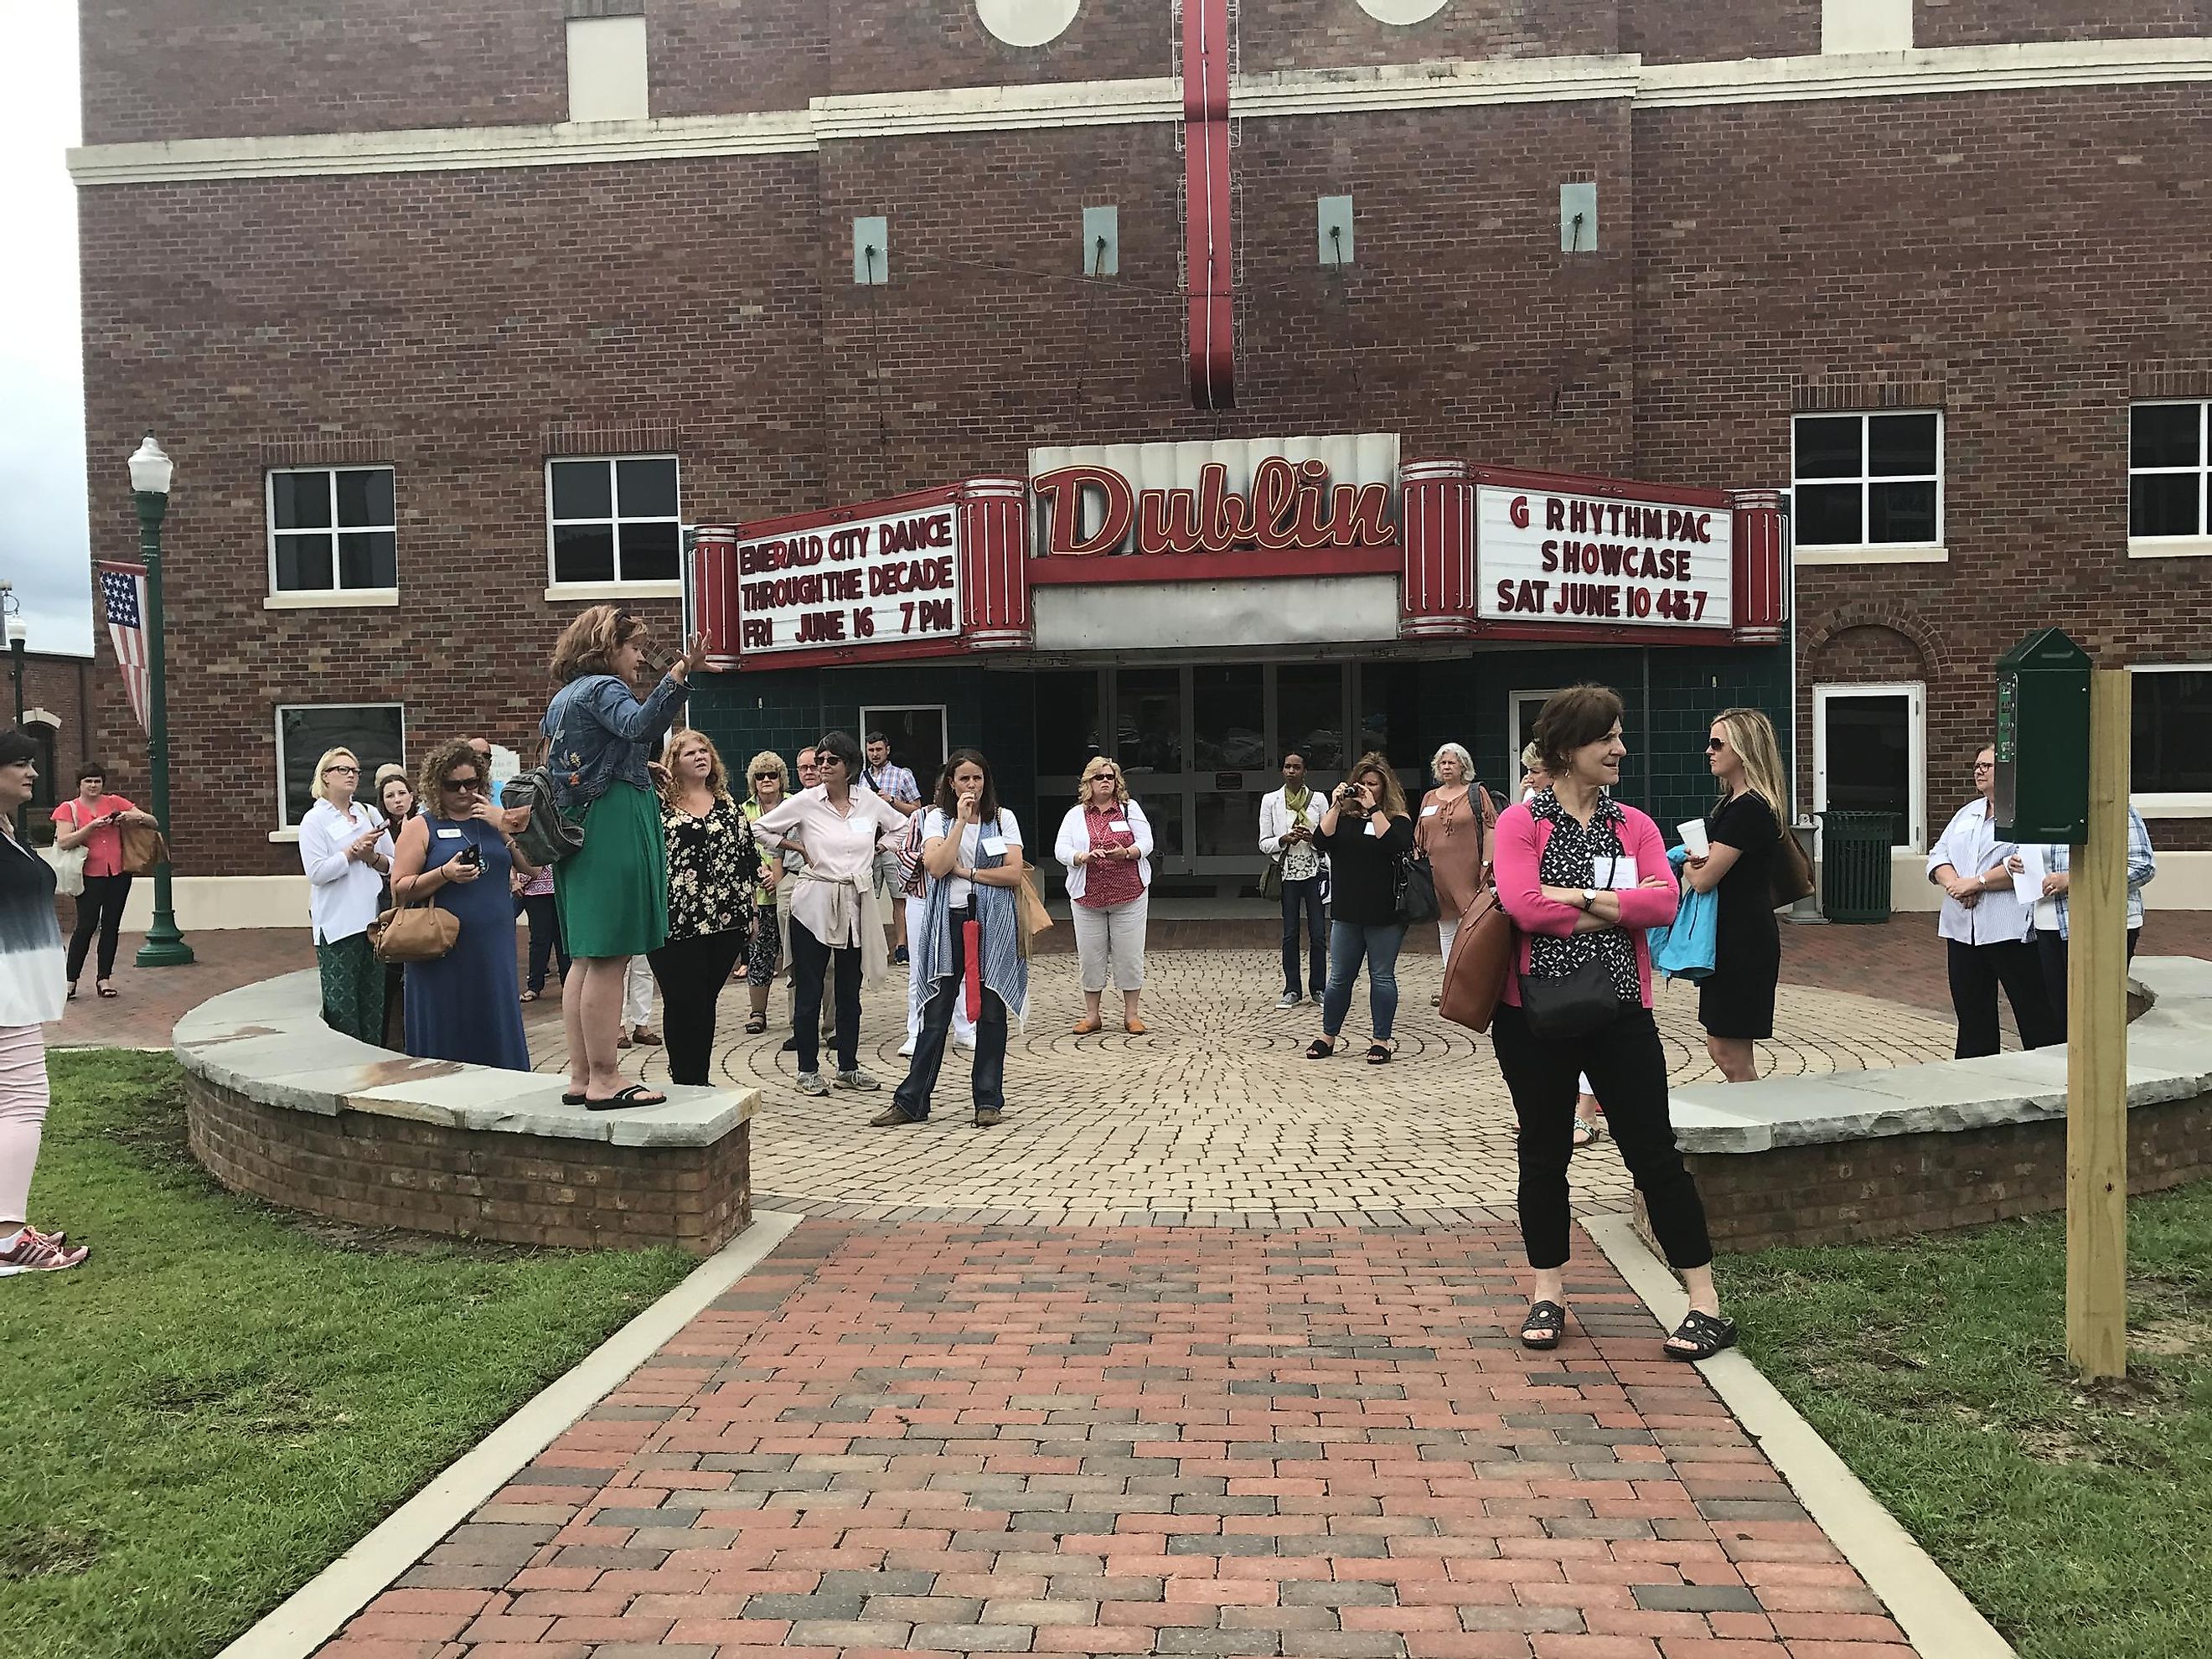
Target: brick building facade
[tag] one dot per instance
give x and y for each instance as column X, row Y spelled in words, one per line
column 342, row 238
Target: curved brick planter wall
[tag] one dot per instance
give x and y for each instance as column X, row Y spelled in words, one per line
column 1868, row 1154
column 282, row 1106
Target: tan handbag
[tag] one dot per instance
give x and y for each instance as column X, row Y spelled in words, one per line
column 1035, row 918
column 414, row 932
column 1481, row 956
column 144, row 848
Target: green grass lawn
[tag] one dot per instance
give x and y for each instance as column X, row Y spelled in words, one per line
column 2074, row 1516
column 226, row 1397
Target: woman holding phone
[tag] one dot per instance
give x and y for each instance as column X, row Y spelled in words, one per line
column 1366, row 833
column 93, row 821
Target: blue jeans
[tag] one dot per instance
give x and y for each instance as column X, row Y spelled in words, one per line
column 1348, row 943
column 1304, row 895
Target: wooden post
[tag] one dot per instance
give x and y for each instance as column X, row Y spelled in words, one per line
column 2097, row 1048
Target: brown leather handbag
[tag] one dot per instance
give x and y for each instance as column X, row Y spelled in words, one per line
column 1481, row 957
column 144, row 848
column 1790, row 877
column 1030, row 909
column 414, row 932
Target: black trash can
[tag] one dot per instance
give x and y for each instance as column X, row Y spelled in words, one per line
column 1854, row 865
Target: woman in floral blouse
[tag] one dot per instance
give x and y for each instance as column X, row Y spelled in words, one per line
column 714, row 869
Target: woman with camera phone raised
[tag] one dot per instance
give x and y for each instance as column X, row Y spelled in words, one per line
column 1366, row 833
column 456, row 854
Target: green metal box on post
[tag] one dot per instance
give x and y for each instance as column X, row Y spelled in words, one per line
column 1854, row 865
column 2042, row 740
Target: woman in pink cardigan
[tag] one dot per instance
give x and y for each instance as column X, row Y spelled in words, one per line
column 1583, row 877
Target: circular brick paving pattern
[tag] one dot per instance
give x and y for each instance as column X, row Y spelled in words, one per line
column 1216, row 1113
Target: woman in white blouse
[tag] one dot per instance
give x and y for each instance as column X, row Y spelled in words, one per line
column 836, row 924
column 1106, row 843
column 1985, row 927
column 345, row 887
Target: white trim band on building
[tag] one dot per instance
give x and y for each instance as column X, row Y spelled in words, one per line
column 1440, row 85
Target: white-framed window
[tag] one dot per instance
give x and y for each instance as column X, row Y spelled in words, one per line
column 375, row 732
column 2169, row 757
column 1867, row 488
column 2170, row 478
column 1870, row 755
column 1522, row 708
column 612, row 523
column 333, row 537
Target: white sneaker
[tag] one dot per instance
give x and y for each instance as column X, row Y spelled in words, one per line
column 906, row 1050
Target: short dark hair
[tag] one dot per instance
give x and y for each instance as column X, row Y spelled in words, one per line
column 878, row 737
column 948, row 798
column 841, row 744
column 92, row 769
column 1579, row 715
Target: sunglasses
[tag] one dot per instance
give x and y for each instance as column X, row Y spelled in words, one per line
column 1714, row 746
column 463, row 783
column 762, row 777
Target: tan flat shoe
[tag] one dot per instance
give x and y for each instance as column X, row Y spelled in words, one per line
column 1086, row 1025
column 1135, row 1027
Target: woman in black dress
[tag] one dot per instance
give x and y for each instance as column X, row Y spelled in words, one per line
column 1736, row 1005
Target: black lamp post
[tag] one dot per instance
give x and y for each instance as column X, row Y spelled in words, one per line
column 19, row 635
column 150, row 474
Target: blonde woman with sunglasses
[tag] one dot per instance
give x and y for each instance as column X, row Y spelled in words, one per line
column 1106, row 843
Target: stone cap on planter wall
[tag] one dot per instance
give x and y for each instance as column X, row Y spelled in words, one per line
column 2169, row 1057
column 267, row 1043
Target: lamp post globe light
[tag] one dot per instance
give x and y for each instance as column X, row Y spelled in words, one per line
column 151, row 471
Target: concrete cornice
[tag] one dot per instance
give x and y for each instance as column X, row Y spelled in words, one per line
column 1440, row 85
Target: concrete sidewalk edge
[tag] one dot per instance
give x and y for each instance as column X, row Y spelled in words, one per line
column 320, row 1608
column 1933, row 1612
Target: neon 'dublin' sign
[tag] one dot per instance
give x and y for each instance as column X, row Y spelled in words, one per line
column 1292, row 506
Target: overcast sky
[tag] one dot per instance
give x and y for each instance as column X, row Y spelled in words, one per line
column 42, row 510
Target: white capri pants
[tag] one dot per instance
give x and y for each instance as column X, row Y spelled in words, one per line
column 917, row 993
column 637, row 995
column 1447, row 931
column 1109, row 943
column 22, row 1118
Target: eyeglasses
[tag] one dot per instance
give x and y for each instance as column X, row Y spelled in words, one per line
column 355, row 770
column 1986, row 766
column 1714, row 746
column 476, row 784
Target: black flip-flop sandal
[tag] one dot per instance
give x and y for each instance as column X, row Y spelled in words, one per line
column 636, row 1095
column 1710, row 1335
column 571, row 1097
column 1379, row 1051
column 1322, row 1048
column 757, row 1024
column 1549, row 1320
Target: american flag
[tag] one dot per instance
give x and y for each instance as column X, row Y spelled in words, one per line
column 122, row 587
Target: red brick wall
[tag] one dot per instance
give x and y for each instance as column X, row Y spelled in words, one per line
column 1990, row 22
column 1668, row 31
column 1332, row 33
column 519, row 1189
column 63, row 686
column 216, row 68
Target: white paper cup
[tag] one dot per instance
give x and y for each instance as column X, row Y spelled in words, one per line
column 1693, row 837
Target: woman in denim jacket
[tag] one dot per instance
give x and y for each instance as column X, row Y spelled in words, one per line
column 613, row 890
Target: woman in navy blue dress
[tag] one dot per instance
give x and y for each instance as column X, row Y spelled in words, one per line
column 455, row 853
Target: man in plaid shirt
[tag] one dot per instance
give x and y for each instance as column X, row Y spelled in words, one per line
column 2050, row 911
column 895, row 784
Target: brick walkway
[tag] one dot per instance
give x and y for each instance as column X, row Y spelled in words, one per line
column 927, row 1440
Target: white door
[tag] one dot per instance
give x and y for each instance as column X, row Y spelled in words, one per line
column 1869, row 755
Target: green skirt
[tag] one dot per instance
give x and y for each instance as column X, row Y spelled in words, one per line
column 612, row 892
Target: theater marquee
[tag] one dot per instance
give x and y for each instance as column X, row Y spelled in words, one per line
column 1651, row 559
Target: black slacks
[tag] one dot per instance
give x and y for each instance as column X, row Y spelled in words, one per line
column 988, row 1079
column 691, row 973
column 1977, row 971
column 1627, row 1068
column 98, row 911
column 811, row 963
column 2050, row 955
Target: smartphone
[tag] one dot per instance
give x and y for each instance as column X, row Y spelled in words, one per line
column 473, row 856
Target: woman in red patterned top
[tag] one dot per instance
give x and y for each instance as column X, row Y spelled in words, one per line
column 93, row 821
column 1106, row 843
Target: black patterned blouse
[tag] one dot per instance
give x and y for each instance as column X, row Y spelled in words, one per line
column 714, row 871
column 1581, row 856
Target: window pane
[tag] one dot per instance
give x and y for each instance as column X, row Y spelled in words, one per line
column 373, row 734
column 1149, row 703
column 583, row 553
column 1310, row 714
column 1828, row 447
column 1901, row 446
column 1067, row 733
column 365, row 496
column 2172, row 714
column 2165, row 434
column 1231, row 731
column 1391, row 718
column 303, row 563
column 1901, row 512
column 367, row 559
column 1829, row 515
column 2165, row 504
column 303, row 499
column 1869, row 758
column 645, row 489
column 583, row 489
column 649, row 552
column 1165, row 811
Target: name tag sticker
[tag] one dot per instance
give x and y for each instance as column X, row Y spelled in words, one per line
column 1623, row 873
column 1119, row 826
column 995, row 846
column 1430, row 811
column 1372, row 830
column 449, row 835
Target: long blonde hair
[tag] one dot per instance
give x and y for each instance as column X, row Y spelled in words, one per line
column 1393, row 799
column 1751, row 734
column 718, row 775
